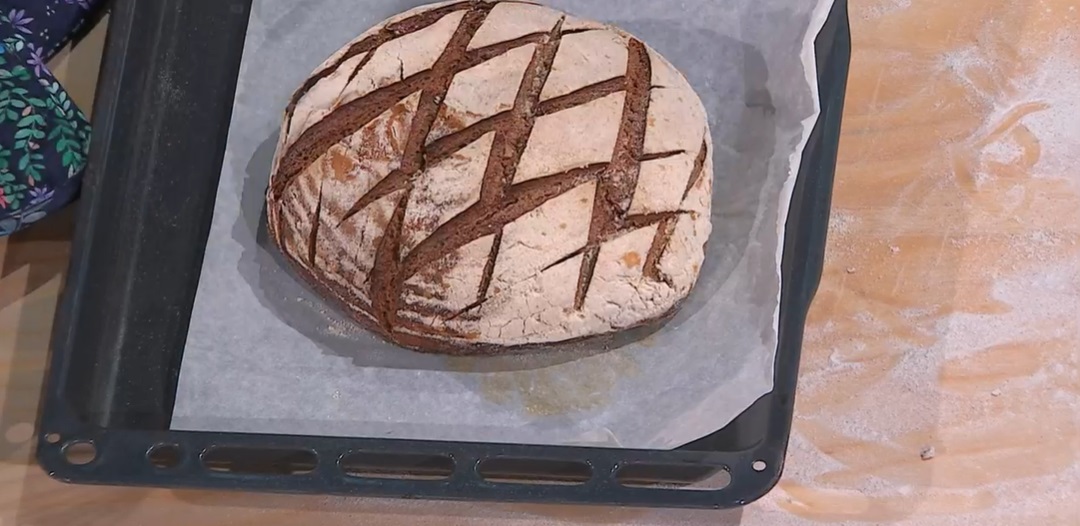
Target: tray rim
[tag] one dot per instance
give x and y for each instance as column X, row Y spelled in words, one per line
column 134, row 70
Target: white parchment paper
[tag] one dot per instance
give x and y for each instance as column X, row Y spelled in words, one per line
column 265, row 354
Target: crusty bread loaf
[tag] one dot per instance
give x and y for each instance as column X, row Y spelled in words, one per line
column 473, row 176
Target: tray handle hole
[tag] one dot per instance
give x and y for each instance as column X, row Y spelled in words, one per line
column 259, row 461
column 165, row 456
column 674, row 476
column 503, row 470
column 79, row 452
column 390, row 465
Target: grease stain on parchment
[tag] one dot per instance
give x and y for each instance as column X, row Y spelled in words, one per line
column 589, row 384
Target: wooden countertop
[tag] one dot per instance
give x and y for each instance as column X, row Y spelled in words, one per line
column 941, row 374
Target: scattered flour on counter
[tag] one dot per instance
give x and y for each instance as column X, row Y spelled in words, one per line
column 1043, row 104
column 1058, row 84
column 1004, row 152
column 884, row 8
column 1041, row 299
column 1031, row 305
column 841, row 223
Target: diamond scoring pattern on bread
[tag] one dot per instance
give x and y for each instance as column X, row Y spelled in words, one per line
column 556, row 242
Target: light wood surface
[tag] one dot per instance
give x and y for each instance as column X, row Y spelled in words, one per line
column 941, row 374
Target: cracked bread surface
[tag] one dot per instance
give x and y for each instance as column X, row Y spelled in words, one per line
column 473, row 176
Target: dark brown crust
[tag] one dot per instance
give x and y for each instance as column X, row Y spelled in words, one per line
column 313, row 239
column 489, row 272
column 659, row 245
column 412, row 24
column 616, row 188
column 699, row 169
column 478, row 221
column 666, row 230
column 356, row 114
column 369, row 45
column 510, row 141
column 632, row 223
column 456, row 346
column 501, row 202
column 444, row 147
column 386, row 281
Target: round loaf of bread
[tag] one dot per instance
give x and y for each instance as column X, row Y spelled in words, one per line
column 473, row 176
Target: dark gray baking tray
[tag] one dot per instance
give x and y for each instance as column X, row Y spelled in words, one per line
column 161, row 122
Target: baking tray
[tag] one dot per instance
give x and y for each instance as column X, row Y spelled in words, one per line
column 161, row 123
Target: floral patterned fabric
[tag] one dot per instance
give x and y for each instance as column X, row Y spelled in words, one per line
column 44, row 137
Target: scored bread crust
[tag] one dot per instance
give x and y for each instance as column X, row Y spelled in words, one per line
column 473, row 176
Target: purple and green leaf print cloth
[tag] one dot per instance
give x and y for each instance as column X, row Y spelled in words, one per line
column 44, row 137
